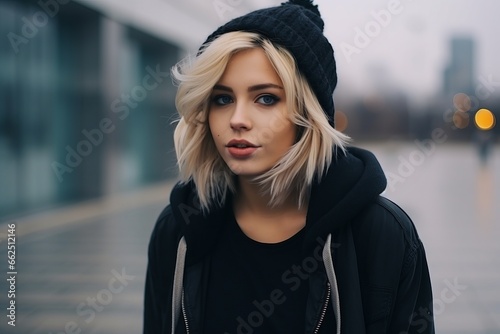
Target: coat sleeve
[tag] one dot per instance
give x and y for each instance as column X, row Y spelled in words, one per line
column 393, row 272
column 412, row 307
column 412, row 311
column 159, row 275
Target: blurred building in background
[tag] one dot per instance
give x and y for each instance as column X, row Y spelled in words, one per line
column 459, row 75
column 86, row 100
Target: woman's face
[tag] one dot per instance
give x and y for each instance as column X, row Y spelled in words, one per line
column 248, row 115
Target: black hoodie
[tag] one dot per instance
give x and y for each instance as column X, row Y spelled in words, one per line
column 375, row 272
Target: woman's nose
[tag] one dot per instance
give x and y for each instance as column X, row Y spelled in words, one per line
column 240, row 119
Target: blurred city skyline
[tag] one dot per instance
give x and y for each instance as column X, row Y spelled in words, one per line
column 402, row 63
column 413, row 49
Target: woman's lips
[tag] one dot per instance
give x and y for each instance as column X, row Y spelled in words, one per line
column 241, row 148
column 241, row 152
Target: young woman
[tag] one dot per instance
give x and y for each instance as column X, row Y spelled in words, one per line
column 276, row 225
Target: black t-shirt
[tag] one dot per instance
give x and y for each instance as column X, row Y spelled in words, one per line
column 246, row 290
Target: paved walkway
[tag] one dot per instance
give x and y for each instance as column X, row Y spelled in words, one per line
column 82, row 268
column 85, row 270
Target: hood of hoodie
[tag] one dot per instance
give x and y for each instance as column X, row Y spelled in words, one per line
column 352, row 182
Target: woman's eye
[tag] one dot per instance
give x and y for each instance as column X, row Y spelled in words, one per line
column 268, row 99
column 222, row 100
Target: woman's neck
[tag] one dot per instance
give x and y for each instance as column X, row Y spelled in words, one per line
column 263, row 222
column 251, row 197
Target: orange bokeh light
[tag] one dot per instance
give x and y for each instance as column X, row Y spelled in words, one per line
column 485, row 119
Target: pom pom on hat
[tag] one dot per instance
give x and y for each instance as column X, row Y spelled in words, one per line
column 306, row 4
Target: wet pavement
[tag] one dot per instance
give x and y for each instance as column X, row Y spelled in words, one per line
column 81, row 269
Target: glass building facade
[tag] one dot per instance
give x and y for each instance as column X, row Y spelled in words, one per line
column 86, row 106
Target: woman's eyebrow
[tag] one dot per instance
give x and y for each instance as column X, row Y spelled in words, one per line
column 250, row 89
column 222, row 87
column 264, row 86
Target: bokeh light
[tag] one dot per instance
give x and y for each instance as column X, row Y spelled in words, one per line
column 462, row 102
column 460, row 119
column 485, row 119
column 341, row 121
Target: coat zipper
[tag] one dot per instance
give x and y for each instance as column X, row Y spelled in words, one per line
column 184, row 313
column 325, row 307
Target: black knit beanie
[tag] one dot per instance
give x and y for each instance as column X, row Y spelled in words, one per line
column 297, row 26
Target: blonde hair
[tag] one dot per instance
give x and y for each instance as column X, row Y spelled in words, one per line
column 197, row 156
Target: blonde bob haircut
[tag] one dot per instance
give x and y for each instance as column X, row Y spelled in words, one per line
column 197, row 156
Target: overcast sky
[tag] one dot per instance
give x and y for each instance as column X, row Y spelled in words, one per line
column 411, row 51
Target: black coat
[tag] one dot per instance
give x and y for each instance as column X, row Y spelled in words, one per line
column 380, row 267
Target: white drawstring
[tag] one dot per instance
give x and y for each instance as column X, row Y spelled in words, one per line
column 178, row 281
column 332, row 278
